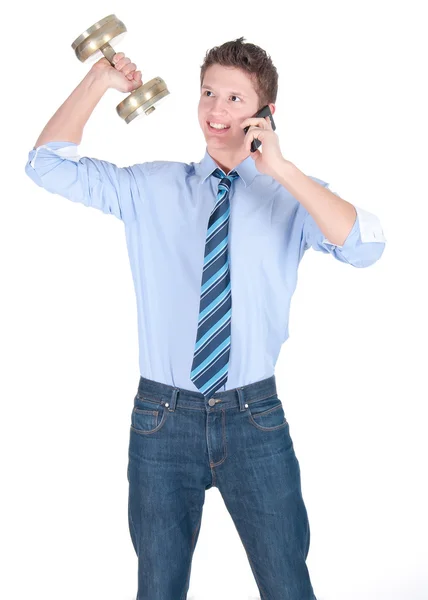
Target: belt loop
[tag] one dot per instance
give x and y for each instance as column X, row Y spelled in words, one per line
column 173, row 400
column 241, row 399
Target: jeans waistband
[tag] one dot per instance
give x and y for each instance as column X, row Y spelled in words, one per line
column 240, row 396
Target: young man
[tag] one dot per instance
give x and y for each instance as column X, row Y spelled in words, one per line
column 214, row 249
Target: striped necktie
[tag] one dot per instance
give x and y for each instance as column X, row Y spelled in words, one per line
column 212, row 347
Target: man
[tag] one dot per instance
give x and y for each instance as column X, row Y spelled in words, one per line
column 214, row 249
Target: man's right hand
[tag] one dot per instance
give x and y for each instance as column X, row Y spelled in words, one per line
column 122, row 77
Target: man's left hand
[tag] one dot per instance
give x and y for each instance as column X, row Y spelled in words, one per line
column 270, row 162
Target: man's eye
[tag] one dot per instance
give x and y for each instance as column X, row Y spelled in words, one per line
column 209, row 92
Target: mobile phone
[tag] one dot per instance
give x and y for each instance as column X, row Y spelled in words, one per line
column 263, row 112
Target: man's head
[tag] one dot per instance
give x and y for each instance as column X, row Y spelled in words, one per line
column 237, row 80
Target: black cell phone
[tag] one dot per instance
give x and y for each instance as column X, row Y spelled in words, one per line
column 263, row 112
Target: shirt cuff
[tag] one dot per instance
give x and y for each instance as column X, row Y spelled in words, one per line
column 366, row 223
column 64, row 149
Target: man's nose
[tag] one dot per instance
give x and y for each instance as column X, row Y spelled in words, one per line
column 219, row 107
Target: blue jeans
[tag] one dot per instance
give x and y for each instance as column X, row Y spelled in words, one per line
column 182, row 444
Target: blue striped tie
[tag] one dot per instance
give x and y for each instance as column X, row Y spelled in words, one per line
column 212, row 347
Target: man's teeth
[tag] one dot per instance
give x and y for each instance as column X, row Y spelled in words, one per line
column 219, row 126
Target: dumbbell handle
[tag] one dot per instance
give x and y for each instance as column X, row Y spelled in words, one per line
column 108, row 52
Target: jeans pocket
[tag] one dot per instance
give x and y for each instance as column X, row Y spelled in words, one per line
column 267, row 414
column 147, row 416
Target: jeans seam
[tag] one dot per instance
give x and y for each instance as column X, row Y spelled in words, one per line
column 192, row 549
column 264, row 597
column 223, row 422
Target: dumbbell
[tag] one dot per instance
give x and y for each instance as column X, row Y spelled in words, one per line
column 96, row 41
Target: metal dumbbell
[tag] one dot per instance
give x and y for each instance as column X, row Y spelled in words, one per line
column 95, row 42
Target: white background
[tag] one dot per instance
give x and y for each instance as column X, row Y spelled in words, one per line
column 351, row 110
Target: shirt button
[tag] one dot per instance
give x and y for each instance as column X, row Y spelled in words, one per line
column 211, row 401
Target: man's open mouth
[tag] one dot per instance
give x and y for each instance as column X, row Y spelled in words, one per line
column 218, row 129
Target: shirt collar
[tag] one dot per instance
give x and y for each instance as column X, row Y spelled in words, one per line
column 246, row 170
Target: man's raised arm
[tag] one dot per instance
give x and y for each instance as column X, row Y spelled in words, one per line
column 54, row 163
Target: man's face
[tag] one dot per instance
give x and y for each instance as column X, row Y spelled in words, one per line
column 227, row 98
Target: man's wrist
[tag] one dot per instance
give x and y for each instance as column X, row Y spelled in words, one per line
column 98, row 79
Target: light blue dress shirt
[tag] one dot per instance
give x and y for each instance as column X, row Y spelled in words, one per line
column 165, row 207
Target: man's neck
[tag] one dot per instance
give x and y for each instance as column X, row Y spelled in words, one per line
column 226, row 161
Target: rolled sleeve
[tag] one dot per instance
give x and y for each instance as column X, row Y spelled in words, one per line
column 58, row 168
column 363, row 246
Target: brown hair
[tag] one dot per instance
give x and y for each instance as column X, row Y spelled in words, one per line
column 251, row 59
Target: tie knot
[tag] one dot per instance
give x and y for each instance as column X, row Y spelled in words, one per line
column 225, row 179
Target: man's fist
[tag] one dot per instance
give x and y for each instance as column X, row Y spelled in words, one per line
column 123, row 76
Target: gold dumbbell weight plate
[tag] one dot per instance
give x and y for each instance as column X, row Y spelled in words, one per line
column 96, row 40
